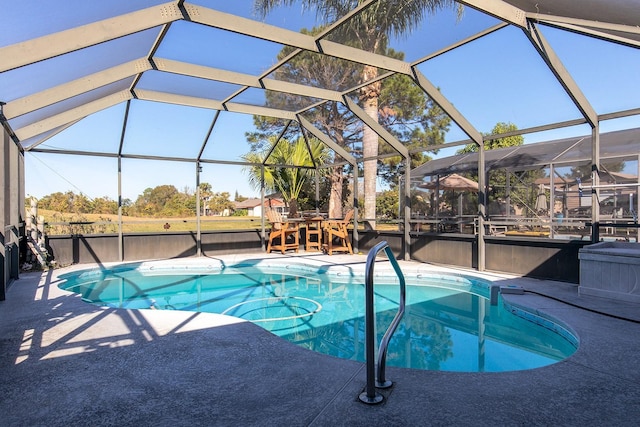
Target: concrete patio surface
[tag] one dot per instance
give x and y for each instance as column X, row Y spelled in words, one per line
column 64, row 362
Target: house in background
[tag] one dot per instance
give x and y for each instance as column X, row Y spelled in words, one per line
column 255, row 208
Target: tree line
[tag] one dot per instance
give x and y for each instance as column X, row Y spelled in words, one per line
column 159, row 201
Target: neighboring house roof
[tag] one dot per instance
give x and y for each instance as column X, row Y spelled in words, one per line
column 605, row 177
column 252, row 203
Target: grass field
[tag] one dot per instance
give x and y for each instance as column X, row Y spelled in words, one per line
column 69, row 223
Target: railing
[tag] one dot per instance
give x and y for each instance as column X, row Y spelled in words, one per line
column 370, row 395
column 611, row 227
column 108, row 226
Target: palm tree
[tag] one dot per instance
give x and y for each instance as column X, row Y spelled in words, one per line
column 206, row 191
column 370, row 30
column 289, row 181
column 310, row 69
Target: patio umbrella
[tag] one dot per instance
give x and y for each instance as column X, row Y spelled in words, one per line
column 541, row 200
column 451, row 182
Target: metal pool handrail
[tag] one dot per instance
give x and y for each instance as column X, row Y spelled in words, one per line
column 370, row 395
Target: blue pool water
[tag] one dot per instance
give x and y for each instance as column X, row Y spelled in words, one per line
column 449, row 324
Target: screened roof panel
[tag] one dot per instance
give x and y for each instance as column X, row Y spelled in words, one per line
column 334, row 119
column 504, row 75
column 446, row 29
column 185, row 85
column 579, row 151
column 627, row 147
column 287, row 152
column 430, row 34
column 339, row 125
column 68, row 104
column 152, row 130
column 253, row 96
column 37, row 140
column 104, row 129
column 314, row 69
column 589, row 60
column 409, row 114
column 212, row 47
column 273, row 99
column 62, row 69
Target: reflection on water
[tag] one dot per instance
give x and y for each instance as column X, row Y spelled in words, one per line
column 443, row 328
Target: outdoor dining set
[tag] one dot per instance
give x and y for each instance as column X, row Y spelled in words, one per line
column 322, row 234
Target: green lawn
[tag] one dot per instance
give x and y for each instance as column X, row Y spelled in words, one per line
column 69, row 223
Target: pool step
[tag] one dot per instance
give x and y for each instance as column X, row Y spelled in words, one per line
column 512, row 289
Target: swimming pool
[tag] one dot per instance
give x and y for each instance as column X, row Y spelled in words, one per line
column 449, row 324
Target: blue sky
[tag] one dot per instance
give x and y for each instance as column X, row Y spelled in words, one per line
column 498, row 78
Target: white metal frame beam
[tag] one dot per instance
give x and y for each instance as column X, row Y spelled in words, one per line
column 499, row 9
column 176, row 99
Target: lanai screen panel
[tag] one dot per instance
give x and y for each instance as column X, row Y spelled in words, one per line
column 92, row 176
column 503, row 78
column 227, row 141
column 139, row 175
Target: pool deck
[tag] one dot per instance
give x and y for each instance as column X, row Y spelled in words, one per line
column 67, row 363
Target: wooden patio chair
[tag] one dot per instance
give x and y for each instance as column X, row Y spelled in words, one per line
column 284, row 235
column 336, row 234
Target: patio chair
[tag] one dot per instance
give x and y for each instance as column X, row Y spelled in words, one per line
column 336, row 235
column 282, row 232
